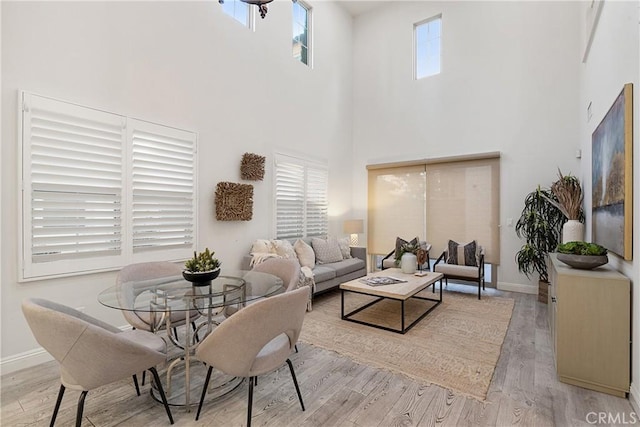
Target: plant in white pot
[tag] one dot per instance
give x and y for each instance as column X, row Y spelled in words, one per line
column 568, row 192
column 202, row 268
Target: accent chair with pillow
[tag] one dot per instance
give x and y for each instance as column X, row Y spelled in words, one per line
column 462, row 262
column 389, row 260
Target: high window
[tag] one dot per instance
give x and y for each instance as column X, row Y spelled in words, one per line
column 101, row 190
column 301, row 198
column 302, row 32
column 427, row 42
column 239, row 10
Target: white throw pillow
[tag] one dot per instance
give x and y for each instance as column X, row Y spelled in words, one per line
column 284, row 249
column 344, row 248
column 305, row 253
column 262, row 246
column 327, row 251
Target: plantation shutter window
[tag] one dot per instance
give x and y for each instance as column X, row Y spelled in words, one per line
column 100, row 190
column 301, row 192
column 163, row 187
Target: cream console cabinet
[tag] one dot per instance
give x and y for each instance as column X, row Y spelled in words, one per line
column 590, row 321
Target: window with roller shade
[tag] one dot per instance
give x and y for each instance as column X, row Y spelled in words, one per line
column 100, row 190
column 301, row 198
column 436, row 200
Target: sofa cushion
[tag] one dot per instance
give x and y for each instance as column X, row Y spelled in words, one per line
column 323, row 273
column 284, row 249
column 346, row 266
column 345, row 249
column 305, row 254
column 326, row 250
column 457, row 270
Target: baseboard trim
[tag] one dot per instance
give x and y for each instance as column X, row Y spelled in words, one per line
column 634, row 398
column 518, row 287
column 27, row 359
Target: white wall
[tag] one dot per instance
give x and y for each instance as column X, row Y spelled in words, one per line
column 188, row 65
column 614, row 59
column 508, row 83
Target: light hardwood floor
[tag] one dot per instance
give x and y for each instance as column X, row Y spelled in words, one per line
column 340, row 392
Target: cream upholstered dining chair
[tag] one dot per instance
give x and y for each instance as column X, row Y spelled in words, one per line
column 256, row 340
column 134, row 279
column 288, row 270
column 91, row 353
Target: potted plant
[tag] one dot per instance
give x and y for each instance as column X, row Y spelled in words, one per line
column 582, row 255
column 202, row 268
column 539, row 224
column 406, row 258
column 568, row 193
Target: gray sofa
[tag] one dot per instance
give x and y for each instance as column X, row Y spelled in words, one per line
column 331, row 275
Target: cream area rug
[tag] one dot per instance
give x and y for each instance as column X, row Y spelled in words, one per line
column 456, row 346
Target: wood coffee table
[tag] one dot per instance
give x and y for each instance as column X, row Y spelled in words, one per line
column 397, row 291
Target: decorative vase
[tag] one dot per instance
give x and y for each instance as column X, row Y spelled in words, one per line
column 200, row 278
column 408, row 263
column 572, row 231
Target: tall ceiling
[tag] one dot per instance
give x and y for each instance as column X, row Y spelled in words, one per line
column 358, row 7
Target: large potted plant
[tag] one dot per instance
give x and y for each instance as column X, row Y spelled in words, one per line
column 540, row 224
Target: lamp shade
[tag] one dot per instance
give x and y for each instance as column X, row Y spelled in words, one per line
column 354, row 226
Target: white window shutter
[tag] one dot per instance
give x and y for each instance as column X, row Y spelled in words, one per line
column 301, row 193
column 163, row 184
column 317, row 214
column 289, row 192
column 72, row 201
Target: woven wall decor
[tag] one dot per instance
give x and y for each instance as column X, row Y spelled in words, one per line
column 252, row 167
column 234, row 202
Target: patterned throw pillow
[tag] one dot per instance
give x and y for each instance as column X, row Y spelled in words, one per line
column 305, row 253
column 326, row 250
column 344, row 248
column 401, row 241
column 463, row 254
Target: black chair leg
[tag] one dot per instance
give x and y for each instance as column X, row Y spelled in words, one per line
column 58, row 401
column 204, row 391
column 479, row 288
column 135, row 382
column 296, row 347
column 195, row 331
column 250, row 403
column 80, row 408
column 161, row 391
column 295, row 382
column 144, row 375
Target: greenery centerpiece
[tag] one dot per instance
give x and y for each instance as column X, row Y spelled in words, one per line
column 202, row 268
column 406, row 248
column 582, row 255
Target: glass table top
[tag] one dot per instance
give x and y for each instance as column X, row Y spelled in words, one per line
column 176, row 294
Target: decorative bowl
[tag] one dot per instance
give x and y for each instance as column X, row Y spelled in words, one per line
column 583, row 262
column 200, row 278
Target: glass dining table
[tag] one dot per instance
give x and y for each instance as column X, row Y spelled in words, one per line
column 162, row 300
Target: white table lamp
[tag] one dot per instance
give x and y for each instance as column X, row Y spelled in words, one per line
column 353, row 227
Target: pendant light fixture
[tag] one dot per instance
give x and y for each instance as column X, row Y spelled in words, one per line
column 261, row 4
